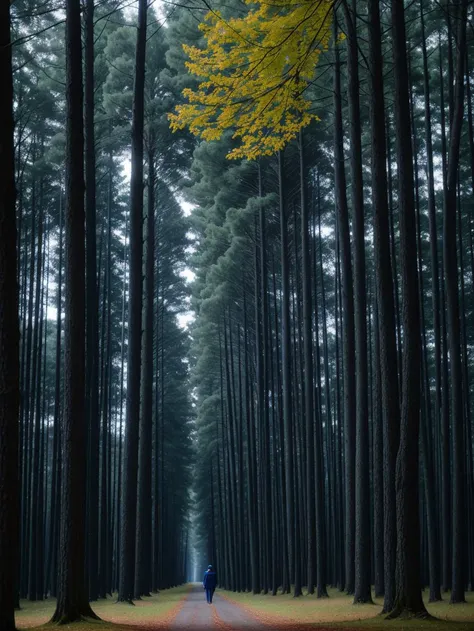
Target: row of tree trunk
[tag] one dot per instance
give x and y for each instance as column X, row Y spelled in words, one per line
column 327, row 440
column 65, row 452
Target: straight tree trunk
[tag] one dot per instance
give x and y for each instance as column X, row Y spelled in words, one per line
column 348, row 333
column 377, row 467
column 9, row 341
column 433, row 231
column 231, row 467
column 162, row 439
column 35, row 414
column 447, row 12
column 308, row 375
column 241, row 488
column 265, row 418
column 453, row 318
column 408, row 599
column 393, row 253
column 260, row 396
column 435, row 281
column 120, row 436
column 362, row 592
column 129, row 504
column 92, row 348
column 286, row 368
column 27, row 400
column 321, row 530
column 387, row 362
column 143, row 576
column 104, row 566
column 445, row 425
column 73, row 604
column 339, row 465
column 234, row 444
column 470, row 461
column 44, row 445
column 275, row 466
column 51, row 569
column 324, row 457
column 298, row 414
column 281, row 477
column 465, row 372
column 426, row 417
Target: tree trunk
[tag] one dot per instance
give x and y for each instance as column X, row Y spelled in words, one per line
column 433, row 231
column 92, row 348
column 286, row 368
column 104, row 568
column 73, row 604
column 348, row 328
column 408, row 599
column 426, row 420
column 471, row 257
column 51, row 570
column 387, row 362
column 362, row 592
column 454, row 332
column 445, row 425
column 129, row 504
column 321, row 530
column 9, row 340
column 265, row 418
column 308, row 375
column 377, row 466
column 143, row 578
column 35, row 414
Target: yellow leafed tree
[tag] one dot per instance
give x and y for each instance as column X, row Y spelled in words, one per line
column 253, row 74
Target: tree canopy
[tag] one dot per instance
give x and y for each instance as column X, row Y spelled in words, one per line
column 253, row 74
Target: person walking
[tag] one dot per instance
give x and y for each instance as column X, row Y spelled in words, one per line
column 209, row 583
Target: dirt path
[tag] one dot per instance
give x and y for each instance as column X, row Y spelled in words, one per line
column 197, row 615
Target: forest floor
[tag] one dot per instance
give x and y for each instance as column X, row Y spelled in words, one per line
column 339, row 612
column 185, row 608
column 150, row 614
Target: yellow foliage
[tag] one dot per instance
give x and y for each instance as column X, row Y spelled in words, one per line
column 253, row 74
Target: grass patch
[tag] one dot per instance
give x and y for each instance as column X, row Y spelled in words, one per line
column 338, row 611
column 154, row 612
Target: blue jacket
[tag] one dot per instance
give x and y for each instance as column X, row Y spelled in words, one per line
column 210, row 579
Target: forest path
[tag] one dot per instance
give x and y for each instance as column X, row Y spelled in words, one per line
column 196, row 614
